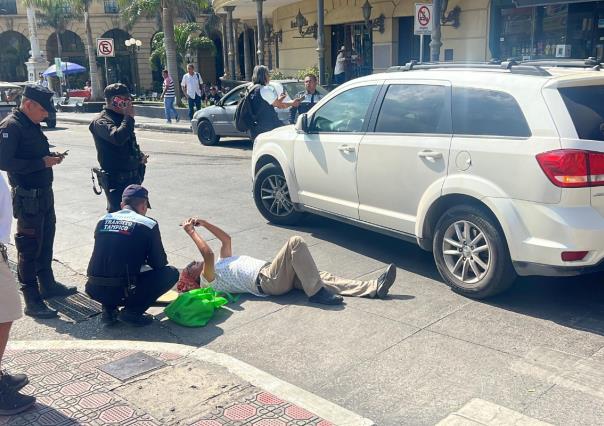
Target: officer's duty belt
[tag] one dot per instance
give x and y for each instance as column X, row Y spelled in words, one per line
column 32, row 193
column 112, row 282
column 118, row 174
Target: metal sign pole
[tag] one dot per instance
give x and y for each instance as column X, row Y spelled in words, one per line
column 421, row 48
column 106, row 73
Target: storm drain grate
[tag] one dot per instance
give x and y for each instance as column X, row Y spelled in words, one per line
column 131, row 366
column 77, row 307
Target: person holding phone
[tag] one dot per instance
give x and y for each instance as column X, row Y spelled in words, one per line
column 119, row 155
column 26, row 157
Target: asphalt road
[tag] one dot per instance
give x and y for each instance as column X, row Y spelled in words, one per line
column 412, row 359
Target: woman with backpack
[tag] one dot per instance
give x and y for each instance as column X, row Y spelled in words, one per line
column 263, row 101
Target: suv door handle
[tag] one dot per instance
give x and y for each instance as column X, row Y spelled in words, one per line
column 433, row 155
column 346, row 148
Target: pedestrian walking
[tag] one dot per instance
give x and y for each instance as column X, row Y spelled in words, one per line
column 11, row 401
column 124, row 242
column 192, row 86
column 120, row 157
column 169, row 95
column 42, row 80
column 25, row 155
column 293, row 267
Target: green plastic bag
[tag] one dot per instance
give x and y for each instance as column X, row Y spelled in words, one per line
column 195, row 307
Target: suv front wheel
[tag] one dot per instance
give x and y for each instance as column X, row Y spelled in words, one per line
column 271, row 196
column 471, row 253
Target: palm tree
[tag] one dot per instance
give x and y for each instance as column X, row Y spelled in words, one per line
column 186, row 38
column 83, row 7
column 55, row 14
column 133, row 9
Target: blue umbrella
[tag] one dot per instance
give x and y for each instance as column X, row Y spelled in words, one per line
column 67, row 67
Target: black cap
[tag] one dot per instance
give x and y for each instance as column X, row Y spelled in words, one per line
column 41, row 95
column 136, row 191
column 116, row 89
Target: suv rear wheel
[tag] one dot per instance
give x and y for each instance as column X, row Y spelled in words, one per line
column 271, row 195
column 471, row 253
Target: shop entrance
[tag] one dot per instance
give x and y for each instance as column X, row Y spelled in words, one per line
column 358, row 42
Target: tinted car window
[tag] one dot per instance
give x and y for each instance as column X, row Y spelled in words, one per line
column 415, row 108
column 487, row 112
column 234, row 97
column 586, row 108
column 346, row 112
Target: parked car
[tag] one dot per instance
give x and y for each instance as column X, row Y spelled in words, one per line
column 498, row 170
column 10, row 97
column 216, row 121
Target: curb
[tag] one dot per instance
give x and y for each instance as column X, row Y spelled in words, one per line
column 304, row 399
column 144, row 126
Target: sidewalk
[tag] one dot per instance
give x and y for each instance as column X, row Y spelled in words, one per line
column 140, row 383
column 184, row 126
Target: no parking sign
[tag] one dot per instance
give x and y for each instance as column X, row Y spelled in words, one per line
column 105, row 47
column 423, row 19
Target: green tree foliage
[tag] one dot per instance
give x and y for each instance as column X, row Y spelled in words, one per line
column 187, row 40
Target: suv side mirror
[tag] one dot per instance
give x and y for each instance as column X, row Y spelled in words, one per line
column 302, row 123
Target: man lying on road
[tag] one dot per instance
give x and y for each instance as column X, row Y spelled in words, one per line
column 293, row 267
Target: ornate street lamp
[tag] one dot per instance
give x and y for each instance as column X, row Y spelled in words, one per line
column 135, row 45
column 376, row 24
column 300, row 22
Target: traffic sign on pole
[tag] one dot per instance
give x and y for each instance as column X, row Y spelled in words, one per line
column 105, row 47
column 423, row 19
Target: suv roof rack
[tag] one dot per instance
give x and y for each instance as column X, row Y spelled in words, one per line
column 590, row 62
column 510, row 65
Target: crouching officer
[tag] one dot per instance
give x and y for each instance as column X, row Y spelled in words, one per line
column 124, row 242
column 308, row 98
column 26, row 156
column 119, row 155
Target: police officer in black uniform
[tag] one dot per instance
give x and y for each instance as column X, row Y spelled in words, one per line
column 125, row 241
column 308, row 98
column 119, row 155
column 26, row 156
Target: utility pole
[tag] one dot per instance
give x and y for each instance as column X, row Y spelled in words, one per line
column 436, row 43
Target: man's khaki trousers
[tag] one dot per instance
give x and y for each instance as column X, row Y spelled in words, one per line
column 294, row 267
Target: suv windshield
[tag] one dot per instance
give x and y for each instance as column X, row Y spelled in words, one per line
column 586, row 108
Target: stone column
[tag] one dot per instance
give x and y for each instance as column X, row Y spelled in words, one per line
column 321, row 40
column 225, row 48
column 236, row 46
column 229, row 28
column 246, row 53
column 36, row 63
column 260, row 23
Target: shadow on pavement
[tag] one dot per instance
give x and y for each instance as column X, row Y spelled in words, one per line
column 242, row 144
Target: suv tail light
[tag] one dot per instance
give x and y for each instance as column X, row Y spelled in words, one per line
column 573, row 168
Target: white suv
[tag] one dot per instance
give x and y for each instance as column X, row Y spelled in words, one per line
column 497, row 169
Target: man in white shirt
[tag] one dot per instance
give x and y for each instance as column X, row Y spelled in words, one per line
column 11, row 401
column 191, row 86
column 339, row 72
column 293, row 267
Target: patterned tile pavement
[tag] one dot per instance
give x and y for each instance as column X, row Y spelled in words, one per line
column 71, row 390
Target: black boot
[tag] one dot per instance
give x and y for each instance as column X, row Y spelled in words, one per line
column 49, row 288
column 12, row 402
column 109, row 315
column 15, row 382
column 34, row 305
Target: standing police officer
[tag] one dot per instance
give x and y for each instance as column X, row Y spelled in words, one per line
column 119, row 155
column 308, row 98
column 26, row 156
